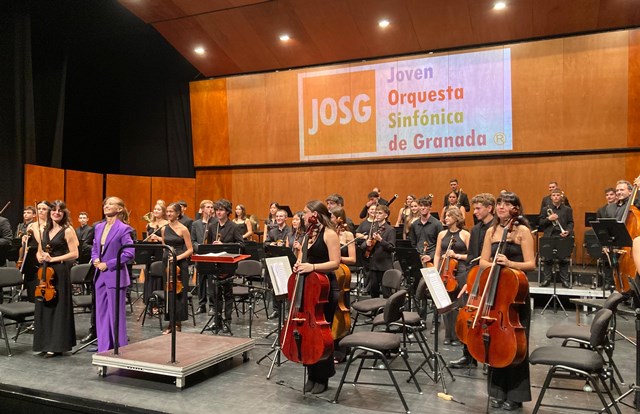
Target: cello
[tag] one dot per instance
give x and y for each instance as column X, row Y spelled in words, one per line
column 306, row 336
column 495, row 335
column 626, row 266
column 342, row 317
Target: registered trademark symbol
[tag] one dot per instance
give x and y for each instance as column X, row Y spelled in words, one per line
column 499, row 138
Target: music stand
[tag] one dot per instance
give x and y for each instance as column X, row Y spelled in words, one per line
column 594, row 250
column 556, row 249
column 613, row 235
column 410, row 262
column 213, row 270
column 278, row 251
column 288, row 210
column 589, row 217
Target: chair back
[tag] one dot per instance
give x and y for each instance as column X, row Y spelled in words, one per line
column 394, row 306
column 10, row 276
column 156, row 269
column 248, row 268
column 396, row 265
column 80, row 274
column 392, row 279
column 613, row 301
column 599, row 328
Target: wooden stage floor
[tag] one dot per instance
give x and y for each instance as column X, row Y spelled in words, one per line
column 235, row 386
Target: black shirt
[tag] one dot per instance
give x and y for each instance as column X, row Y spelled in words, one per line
column 421, row 232
column 565, row 218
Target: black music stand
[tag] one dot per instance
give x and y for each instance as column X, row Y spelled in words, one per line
column 213, row 270
column 612, row 235
column 288, row 210
column 409, row 259
column 594, row 250
column 556, row 249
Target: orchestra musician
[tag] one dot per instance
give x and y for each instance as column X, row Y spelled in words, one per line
column 246, row 227
column 30, row 264
column 84, row 232
column 463, row 200
column 380, row 245
column 509, row 387
column 270, row 221
column 28, row 217
column 546, row 200
column 55, row 330
column 610, row 196
column 452, row 243
column 198, row 230
column 184, row 219
column 177, row 236
column 484, row 205
column 380, row 199
column 336, row 200
column 364, row 230
column 278, row 234
column 157, row 221
column 296, row 233
column 221, row 231
column 424, row 231
column 323, row 256
column 109, row 236
column 6, row 237
column 374, row 199
column 556, row 220
column 452, row 201
column 623, row 192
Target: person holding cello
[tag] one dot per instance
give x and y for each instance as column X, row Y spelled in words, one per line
column 323, row 255
column 379, row 248
column 109, row 236
column 55, row 331
column 509, row 387
column 450, row 257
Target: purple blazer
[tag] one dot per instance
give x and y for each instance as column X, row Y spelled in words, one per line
column 119, row 235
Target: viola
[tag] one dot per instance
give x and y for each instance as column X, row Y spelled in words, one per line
column 46, row 291
column 24, row 250
column 626, row 265
column 342, row 317
column 306, row 336
column 495, row 335
column 369, row 249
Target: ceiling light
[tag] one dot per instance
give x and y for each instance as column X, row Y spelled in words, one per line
column 199, row 50
column 499, row 5
column 284, row 37
column 383, row 23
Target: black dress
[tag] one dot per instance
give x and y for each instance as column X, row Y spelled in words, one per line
column 322, row 370
column 513, row 382
column 177, row 242
column 55, row 329
column 459, row 247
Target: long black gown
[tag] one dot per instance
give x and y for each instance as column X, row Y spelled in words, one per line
column 55, row 329
column 177, row 242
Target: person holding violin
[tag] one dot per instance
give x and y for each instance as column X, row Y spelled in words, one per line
column 484, row 205
column 278, row 234
column 509, row 387
column 364, row 230
column 109, row 236
column 379, row 247
column 157, row 221
column 28, row 217
column 405, row 211
column 336, row 200
column 296, row 233
column 323, row 256
column 424, row 231
column 177, row 236
column 55, row 331
column 450, row 257
column 29, row 250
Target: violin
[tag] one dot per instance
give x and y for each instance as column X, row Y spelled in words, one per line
column 24, row 250
column 173, row 277
column 369, row 249
column 448, row 270
column 495, row 335
column 425, row 247
column 626, row 265
column 46, row 291
column 306, row 336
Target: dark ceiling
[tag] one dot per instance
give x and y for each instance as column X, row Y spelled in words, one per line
column 242, row 36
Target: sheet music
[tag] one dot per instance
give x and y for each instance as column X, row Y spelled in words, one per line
column 279, row 270
column 439, row 293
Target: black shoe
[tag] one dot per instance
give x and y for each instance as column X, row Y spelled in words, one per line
column 274, row 315
column 455, row 343
column 89, row 338
column 545, row 283
column 463, row 362
column 446, row 342
column 225, row 328
column 496, row 403
column 509, row 405
column 201, row 309
column 565, row 285
column 308, row 386
column 433, row 331
column 52, row 354
column 320, row 387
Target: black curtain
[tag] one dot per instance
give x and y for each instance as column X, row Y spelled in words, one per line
column 90, row 87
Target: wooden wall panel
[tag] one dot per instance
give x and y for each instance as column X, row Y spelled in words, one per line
column 209, row 122
column 136, row 193
column 213, row 185
column 174, row 189
column 84, row 193
column 42, row 183
column 633, row 117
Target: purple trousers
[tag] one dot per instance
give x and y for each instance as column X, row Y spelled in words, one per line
column 105, row 316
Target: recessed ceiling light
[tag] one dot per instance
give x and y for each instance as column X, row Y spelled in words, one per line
column 383, row 23
column 500, row 5
column 284, row 37
column 199, row 50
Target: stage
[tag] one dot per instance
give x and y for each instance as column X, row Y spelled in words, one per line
column 72, row 383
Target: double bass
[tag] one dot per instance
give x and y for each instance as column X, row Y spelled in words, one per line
column 494, row 334
column 306, row 336
column 626, row 266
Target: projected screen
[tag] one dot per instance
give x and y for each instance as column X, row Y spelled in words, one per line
column 436, row 105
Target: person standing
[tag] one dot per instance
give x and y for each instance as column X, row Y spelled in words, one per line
column 109, row 236
column 463, row 200
column 278, row 234
column 380, row 247
column 55, row 330
column 556, row 220
column 509, row 387
column 28, row 217
column 85, row 233
column 198, row 237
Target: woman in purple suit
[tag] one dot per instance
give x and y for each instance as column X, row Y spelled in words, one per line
column 110, row 235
